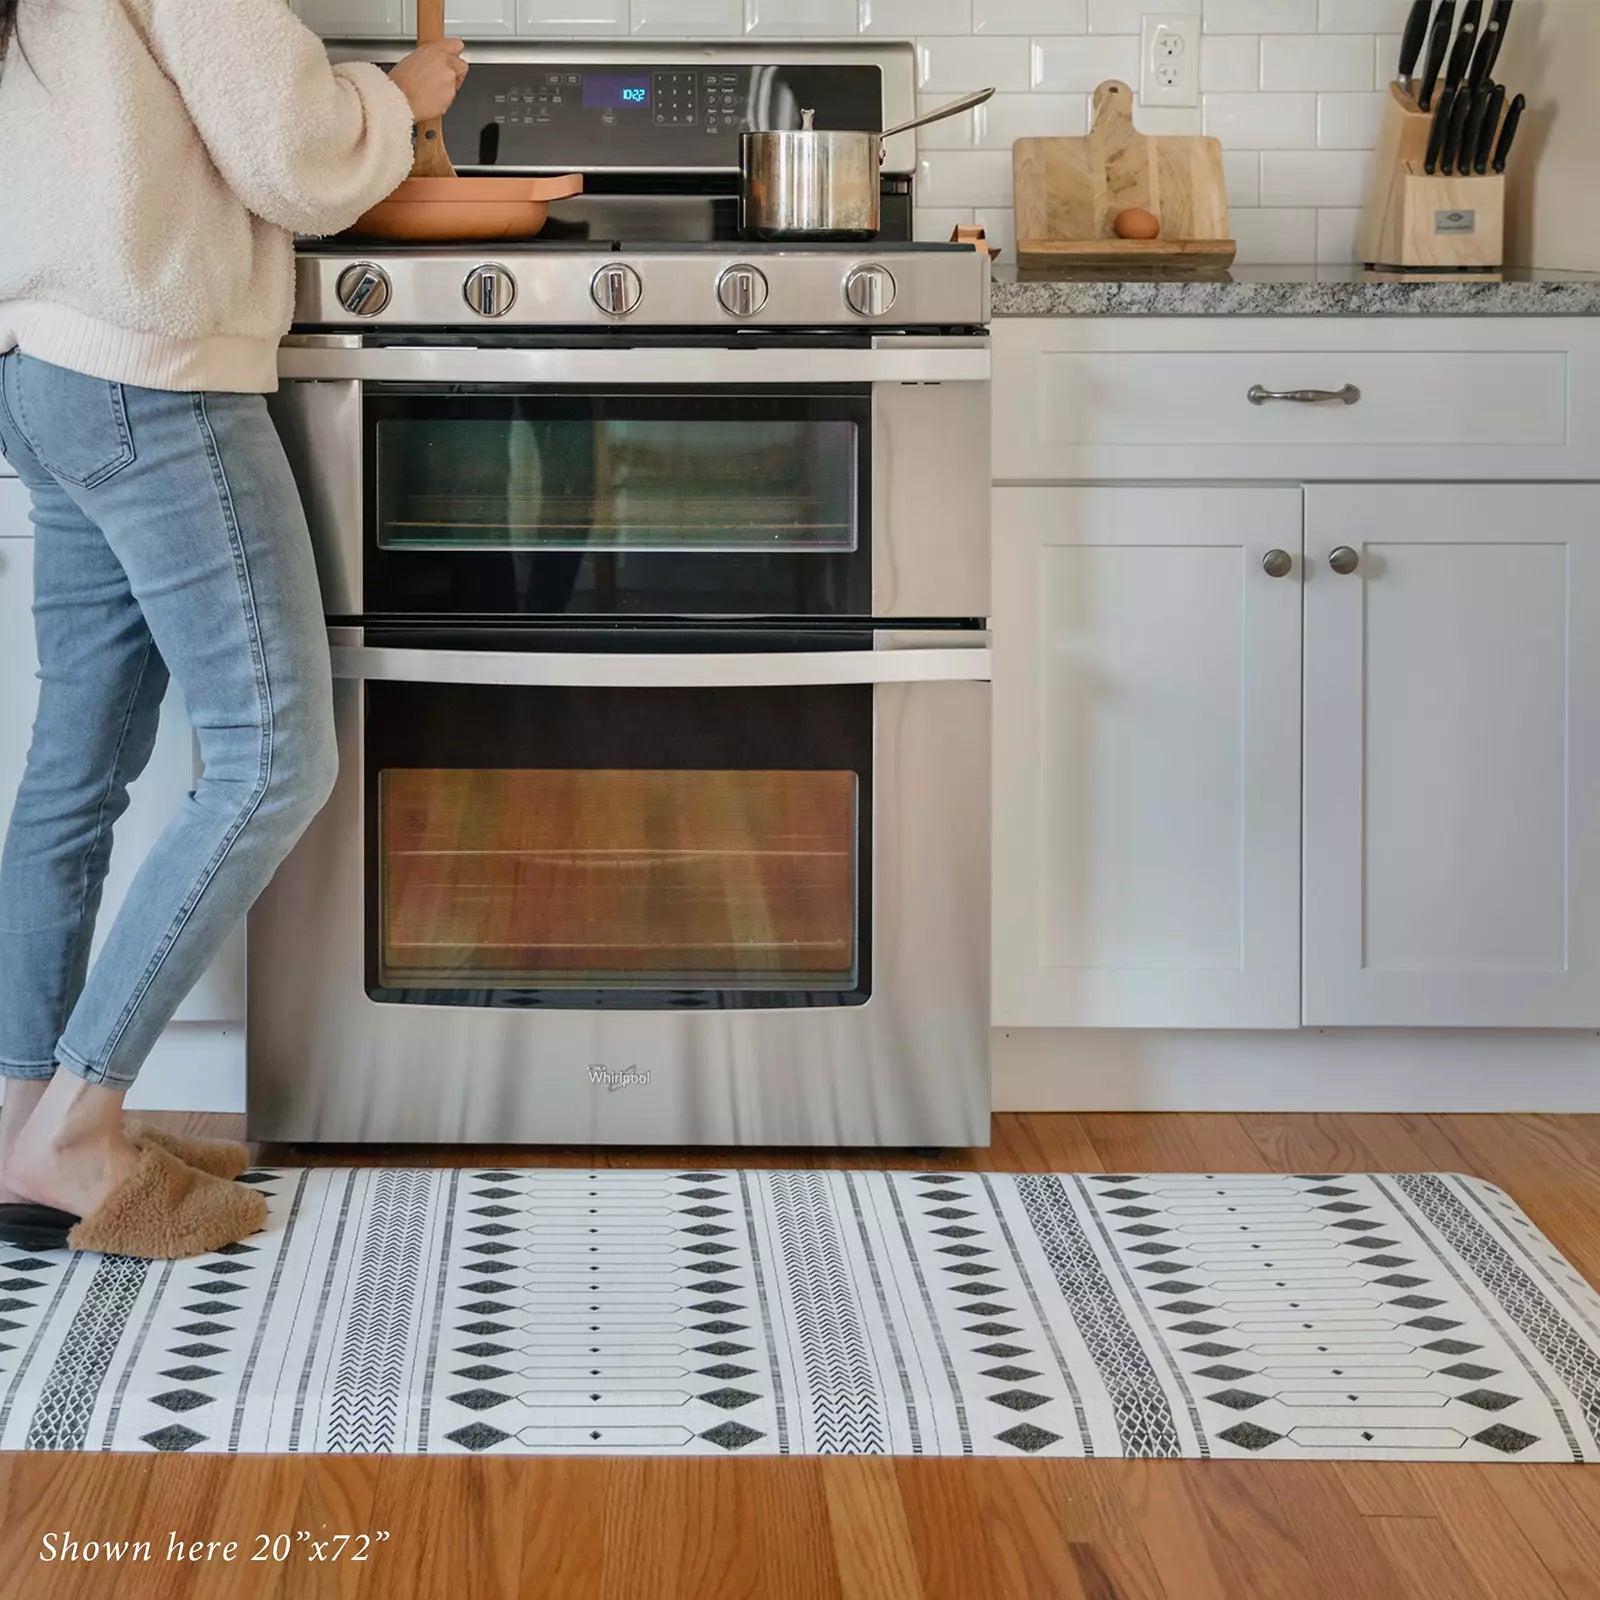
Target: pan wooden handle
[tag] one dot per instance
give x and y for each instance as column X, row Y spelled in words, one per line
column 430, row 159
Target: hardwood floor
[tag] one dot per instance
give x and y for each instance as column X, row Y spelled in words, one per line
column 868, row 1529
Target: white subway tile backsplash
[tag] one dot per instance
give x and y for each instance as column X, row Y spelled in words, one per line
column 1314, row 177
column 1030, row 16
column 1275, row 236
column 937, row 223
column 1230, row 63
column 1363, row 16
column 1261, row 16
column 1241, row 170
column 1294, row 89
column 1009, row 117
column 900, row 19
column 1332, row 61
column 1262, row 121
column 1349, row 121
column 964, row 178
column 1127, row 16
column 1081, row 64
column 800, row 18
column 688, row 19
column 1336, row 235
column 962, row 62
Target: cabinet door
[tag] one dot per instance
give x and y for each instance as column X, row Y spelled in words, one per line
column 357, row 19
column 1452, row 861
column 219, row 996
column 1147, row 755
column 480, row 19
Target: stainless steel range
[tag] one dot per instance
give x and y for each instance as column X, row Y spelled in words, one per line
column 656, row 568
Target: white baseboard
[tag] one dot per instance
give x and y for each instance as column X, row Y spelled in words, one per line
column 1346, row 1069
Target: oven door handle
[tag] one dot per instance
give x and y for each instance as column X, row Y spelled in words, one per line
column 575, row 670
column 899, row 361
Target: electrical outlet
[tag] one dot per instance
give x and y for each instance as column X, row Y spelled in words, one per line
column 1170, row 61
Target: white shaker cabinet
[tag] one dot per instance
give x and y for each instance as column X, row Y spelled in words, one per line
column 387, row 19
column 1147, row 756
column 358, row 19
column 219, row 996
column 1452, row 755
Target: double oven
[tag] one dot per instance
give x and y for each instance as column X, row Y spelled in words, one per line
column 662, row 693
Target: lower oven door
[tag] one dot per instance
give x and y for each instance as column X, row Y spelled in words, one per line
column 584, row 896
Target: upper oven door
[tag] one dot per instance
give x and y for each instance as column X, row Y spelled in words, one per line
column 824, row 481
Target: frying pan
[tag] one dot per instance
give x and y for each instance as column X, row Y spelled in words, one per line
column 436, row 206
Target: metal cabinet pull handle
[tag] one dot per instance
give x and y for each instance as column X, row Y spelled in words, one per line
column 1344, row 561
column 1348, row 395
column 1277, row 563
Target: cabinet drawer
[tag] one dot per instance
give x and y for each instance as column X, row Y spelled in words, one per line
column 1171, row 398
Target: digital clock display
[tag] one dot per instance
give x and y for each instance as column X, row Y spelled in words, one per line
column 610, row 93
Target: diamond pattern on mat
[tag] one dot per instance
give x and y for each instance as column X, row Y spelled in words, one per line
column 1025, row 1436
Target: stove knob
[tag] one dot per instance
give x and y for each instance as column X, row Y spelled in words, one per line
column 364, row 289
column 491, row 291
column 616, row 289
column 742, row 291
column 870, row 291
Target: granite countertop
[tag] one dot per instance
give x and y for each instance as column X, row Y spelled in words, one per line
column 1327, row 291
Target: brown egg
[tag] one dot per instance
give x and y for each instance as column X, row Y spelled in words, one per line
column 1136, row 223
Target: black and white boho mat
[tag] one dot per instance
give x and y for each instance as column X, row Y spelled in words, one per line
column 1414, row 1317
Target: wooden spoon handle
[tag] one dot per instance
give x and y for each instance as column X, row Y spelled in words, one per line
column 430, row 159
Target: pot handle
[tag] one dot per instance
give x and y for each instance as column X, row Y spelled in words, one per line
column 954, row 109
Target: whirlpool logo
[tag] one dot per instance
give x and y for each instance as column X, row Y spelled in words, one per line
column 614, row 1078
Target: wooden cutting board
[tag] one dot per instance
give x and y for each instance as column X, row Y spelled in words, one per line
column 1069, row 193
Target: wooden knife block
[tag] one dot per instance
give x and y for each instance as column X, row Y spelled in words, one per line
column 1411, row 220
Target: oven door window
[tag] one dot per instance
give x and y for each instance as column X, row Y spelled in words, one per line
column 553, row 502
column 618, row 848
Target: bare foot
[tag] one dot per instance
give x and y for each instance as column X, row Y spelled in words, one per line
column 72, row 1152
column 22, row 1096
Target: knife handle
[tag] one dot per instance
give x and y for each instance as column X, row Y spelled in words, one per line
column 1509, row 132
column 1414, row 38
column 1460, row 108
column 1477, row 111
column 1436, row 135
column 1501, row 19
column 1466, row 38
column 1491, row 126
column 1438, row 49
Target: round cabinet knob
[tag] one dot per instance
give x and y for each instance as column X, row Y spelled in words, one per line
column 870, row 291
column 1344, row 561
column 1277, row 564
column 742, row 291
column 364, row 289
column 490, row 290
column 617, row 289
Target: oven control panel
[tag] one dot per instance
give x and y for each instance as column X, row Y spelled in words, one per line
column 645, row 116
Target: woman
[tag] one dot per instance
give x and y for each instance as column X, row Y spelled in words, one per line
column 159, row 156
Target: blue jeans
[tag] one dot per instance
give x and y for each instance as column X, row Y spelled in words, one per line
column 169, row 538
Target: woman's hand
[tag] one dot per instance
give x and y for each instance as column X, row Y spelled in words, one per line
column 429, row 78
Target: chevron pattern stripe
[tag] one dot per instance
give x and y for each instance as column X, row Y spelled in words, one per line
column 625, row 1311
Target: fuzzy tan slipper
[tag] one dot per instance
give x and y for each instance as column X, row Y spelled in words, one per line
column 222, row 1158
column 164, row 1210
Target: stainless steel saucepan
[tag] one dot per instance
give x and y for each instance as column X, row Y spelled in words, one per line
column 811, row 183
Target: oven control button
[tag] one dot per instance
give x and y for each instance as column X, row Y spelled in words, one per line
column 742, row 291
column 491, row 291
column 870, row 291
column 617, row 289
column 364, row 289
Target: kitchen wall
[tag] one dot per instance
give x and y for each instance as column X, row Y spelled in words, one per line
column 1291, row 87
column 1552, row 55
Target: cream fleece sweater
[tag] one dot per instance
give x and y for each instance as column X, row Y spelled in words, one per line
column 156, row 159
